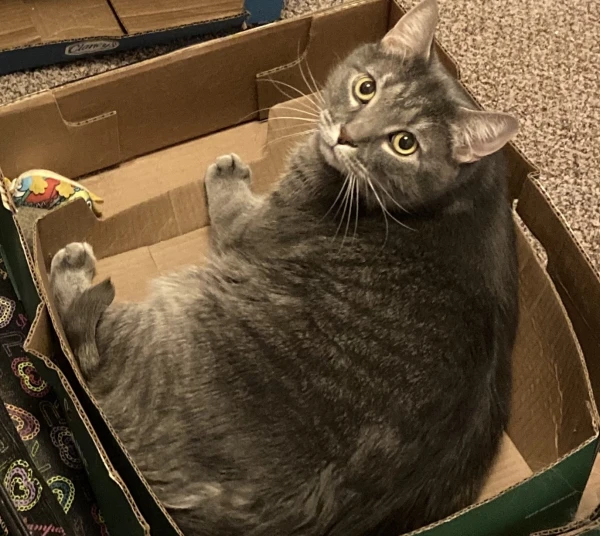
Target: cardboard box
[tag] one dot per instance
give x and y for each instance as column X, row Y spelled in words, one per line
column 34, row 33
column 147, row 156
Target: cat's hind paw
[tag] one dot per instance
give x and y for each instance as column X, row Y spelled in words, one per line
column 76, row 256
column 71, row 272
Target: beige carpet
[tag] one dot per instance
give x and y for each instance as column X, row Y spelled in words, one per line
column 535, row 58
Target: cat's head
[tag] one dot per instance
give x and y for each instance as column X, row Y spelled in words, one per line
column 396, row 120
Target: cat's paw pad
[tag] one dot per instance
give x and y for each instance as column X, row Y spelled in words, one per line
column 228, row 166
column 75, row 257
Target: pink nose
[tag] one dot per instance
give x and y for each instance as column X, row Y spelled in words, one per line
column 345, row 139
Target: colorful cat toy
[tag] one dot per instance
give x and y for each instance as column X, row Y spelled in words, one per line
column 40, row 188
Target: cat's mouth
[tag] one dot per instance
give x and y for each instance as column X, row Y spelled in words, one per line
column 335, row 154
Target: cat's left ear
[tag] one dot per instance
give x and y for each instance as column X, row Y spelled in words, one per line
column 413, row 34
column 478, row 134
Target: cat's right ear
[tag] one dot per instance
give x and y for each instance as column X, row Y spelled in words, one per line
column 412, row 36
column 477, row 134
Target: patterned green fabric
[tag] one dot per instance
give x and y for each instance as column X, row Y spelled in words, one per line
column 40, row 467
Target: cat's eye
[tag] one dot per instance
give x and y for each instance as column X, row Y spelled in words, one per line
column 364, row 88
column 404, row 143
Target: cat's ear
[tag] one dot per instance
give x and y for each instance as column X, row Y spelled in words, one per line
column 413, row 34
column 478, row 134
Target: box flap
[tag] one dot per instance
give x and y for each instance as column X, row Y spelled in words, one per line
column 64, row 146
column 143, row 16
column 576, row 280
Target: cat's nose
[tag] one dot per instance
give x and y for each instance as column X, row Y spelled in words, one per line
column 345, row 139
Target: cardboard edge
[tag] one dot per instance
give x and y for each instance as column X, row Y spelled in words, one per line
column 534, row 178
column 66, row 349
column 26, row 346
column 535, row 183
column 507, row 490
column 591, row 402
column 581, row 526
column 112, row 473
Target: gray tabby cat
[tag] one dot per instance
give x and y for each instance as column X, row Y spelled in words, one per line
column 297, row 386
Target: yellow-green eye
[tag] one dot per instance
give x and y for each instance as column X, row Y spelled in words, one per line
column 364, row 88
column 404, row 143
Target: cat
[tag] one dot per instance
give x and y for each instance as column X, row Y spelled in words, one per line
column 310, row 381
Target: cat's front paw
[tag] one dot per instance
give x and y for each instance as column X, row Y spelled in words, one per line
column 71, row 272
column 228, row 167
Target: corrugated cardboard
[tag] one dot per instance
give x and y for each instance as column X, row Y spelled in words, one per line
column 143, row 137
column 40, row 32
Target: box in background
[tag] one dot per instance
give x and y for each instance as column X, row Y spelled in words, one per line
column 34, row 33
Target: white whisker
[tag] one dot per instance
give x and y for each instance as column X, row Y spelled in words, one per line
column 316, row 86
column 393, row 200
column 351, row 206
column 365, row 175
column 388, row 212
column 305, row 119
column 290, row 135
column 290, row 128
column 345, row 205
column 357, row 208
column 299, row 110
column 336, row 200
column 387, row 229
column 314, row 90
column 315, row 107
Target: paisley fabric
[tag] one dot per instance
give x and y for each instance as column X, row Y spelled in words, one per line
column 39, row 465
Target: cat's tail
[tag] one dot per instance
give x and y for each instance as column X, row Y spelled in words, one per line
column 81, row 321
